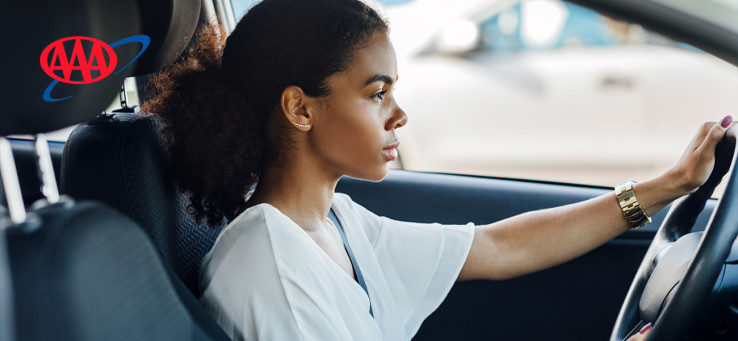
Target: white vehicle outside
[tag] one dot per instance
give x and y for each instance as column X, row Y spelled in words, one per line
column 513, row 88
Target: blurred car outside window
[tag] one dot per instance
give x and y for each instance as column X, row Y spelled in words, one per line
column 548, row 90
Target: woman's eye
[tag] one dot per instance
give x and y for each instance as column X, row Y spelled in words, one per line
column 379, row 95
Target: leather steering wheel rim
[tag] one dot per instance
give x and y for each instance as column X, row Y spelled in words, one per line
column 688, row 300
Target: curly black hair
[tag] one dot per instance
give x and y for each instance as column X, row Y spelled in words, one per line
column 219, row 104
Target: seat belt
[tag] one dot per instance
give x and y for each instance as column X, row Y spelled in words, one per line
column 359, row 276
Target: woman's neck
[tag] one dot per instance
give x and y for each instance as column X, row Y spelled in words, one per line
column 299, row 190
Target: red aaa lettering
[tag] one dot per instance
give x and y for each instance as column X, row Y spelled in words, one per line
column 78, row 61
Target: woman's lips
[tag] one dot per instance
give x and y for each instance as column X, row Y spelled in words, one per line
column 391, row 151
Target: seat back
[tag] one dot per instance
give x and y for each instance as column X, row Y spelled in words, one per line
column 89, row 273
column 86, row 272
column 121, row 160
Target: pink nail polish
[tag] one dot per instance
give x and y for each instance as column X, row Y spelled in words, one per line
column 726, row 121
column 645, row 328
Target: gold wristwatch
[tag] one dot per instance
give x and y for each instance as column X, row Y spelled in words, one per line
column 632, row 209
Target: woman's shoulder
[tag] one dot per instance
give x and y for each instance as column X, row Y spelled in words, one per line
column 342, row 199
column 344, row 203
column 254, row 225
column 248, row 222
column 245, row 237
column 243, row 270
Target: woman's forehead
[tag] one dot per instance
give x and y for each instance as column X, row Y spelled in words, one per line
column 375, row 57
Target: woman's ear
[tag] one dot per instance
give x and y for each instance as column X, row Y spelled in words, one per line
column 293, row 107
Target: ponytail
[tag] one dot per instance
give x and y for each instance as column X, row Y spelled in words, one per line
column 215, row 139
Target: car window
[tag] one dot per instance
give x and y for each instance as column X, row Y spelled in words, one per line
column 540, row 25
column 550, row 91
column 240, row 7
column 549, row 25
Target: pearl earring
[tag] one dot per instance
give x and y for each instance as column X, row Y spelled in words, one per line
column 304, row 126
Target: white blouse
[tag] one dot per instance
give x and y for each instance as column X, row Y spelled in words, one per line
column 266, row 279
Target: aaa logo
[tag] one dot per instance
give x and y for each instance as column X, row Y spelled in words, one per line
column 66, row 60
column 98, row 65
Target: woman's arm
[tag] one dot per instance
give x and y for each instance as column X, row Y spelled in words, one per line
column 541, row 239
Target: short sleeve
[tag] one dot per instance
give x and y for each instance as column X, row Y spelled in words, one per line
column 265, row 279
column 420, row 262
column 246, row 306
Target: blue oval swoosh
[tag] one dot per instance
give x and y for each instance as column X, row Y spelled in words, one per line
column 141, row 38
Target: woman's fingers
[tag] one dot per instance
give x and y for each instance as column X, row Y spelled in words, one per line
column 695, row 165
column 715, row 134
column 642, row 334
column 700, row 136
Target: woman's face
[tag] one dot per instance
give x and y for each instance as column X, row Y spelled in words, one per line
column 354, row 126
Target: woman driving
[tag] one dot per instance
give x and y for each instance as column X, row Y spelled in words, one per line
column 301, row 94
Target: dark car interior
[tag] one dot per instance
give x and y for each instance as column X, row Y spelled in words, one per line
column 116, row 256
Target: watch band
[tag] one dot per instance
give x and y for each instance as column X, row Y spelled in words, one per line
column 632, row 209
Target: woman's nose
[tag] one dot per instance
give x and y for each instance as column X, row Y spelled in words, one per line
column 399, row 119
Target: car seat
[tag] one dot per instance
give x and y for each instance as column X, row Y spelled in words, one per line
column 81, row 270
column 121, row 160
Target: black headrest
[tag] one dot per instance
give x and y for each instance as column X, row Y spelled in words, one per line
column 27, row 28
column 170, row 24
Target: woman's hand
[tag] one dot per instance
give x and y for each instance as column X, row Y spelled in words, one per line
column 691, row 171
column 643, row 334
column 695, row 165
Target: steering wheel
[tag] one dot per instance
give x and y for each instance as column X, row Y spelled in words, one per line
column 677, row 276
